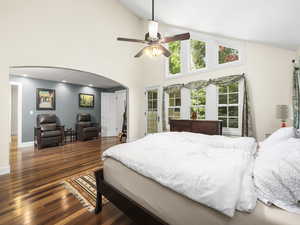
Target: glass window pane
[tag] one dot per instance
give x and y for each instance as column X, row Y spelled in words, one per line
column 149, row 94
column 227, row 54
column 172, row 102
column 194, row 102
column 234, row 87
column 154, row 103
column 177, row 94
column 154, row 95
column 233, row 98
column 222, row 111
column 197, row 54
column 224, row 121
column 177, row 102
column 198, row 97
column 174, row 59
column 201, row 113
column 176, row 109
column 193, row 93
column 233, row 123
column 172, row 95
column 223, row 89
column 233, row 111
column 149, row 105
column 222, row 99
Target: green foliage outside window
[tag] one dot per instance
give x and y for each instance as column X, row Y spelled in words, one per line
column 227, row 55
column 174, row 59
column 197, row 54
column 198, row 101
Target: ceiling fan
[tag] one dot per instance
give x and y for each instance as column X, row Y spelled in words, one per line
column 154, row 40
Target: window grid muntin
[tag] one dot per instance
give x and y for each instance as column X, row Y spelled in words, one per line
column 198, row 107
column 174, row 110
column 152, row 125
column 228, row 117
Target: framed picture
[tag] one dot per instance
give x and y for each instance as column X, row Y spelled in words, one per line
column 86, row 100
column 45, row 99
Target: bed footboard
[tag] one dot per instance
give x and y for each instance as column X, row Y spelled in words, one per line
column 129, row 207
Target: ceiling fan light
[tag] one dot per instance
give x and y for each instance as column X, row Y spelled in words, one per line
column 153, row 29
column 155, row 51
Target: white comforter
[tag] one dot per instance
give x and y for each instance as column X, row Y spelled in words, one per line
column 213, row 170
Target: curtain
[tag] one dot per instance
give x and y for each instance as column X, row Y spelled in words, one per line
column 296, row 99
column 168, row 90
column 247, row 128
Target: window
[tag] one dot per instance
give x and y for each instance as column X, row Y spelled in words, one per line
column 227, row 55
column 202, row 53
column 228, row 107
column 198, row 102
column 152, row 114
column 197, row 55
column 175, row 59
column 174, row 105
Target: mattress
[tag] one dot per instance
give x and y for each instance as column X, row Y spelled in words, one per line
column 176, row 209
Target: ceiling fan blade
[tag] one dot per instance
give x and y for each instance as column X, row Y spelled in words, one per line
column 140, row 53
column 165, row 51
column 132, row 40
column 178, row 37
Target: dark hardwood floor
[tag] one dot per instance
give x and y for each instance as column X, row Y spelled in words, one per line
column 33, row 193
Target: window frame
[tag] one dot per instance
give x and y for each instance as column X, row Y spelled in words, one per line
column 233, row 131
column 198, row 106
column 159, row 109
column 174, row 107
column 211, row 54
column 229, row 44
column 211, row 106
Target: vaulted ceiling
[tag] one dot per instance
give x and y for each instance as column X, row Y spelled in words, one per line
column 274, row 22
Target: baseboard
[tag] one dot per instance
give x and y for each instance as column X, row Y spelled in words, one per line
column 26, row 144
column 4, row 170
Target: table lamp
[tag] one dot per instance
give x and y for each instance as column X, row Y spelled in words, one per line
column 282, row 113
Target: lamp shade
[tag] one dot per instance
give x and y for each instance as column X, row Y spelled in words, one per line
column 282, row 112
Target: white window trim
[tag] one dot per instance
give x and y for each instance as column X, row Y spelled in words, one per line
column 212, row 51
column 235, row 131
column 211, row 107
column 159, row 103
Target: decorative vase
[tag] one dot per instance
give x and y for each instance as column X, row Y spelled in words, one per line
column 194, row 115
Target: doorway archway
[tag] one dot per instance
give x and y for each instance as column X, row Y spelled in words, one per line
column 68, row 84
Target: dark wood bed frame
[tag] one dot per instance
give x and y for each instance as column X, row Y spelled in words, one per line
column 132, row 209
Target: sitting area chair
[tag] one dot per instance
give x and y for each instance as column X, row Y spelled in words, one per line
column 85, row 129
column 48, row 132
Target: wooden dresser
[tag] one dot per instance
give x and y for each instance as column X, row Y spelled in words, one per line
column 211, row 127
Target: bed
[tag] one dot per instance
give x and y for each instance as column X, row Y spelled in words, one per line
column 148, row 202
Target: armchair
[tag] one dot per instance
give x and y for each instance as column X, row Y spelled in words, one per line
column 85, row 129
column 48, row 132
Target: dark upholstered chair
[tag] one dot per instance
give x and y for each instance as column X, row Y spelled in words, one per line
column 48, row 132
column 85, row 129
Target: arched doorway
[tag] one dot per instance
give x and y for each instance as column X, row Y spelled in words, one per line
column 70, row 88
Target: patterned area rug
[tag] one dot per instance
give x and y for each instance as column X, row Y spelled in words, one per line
column 84, row 189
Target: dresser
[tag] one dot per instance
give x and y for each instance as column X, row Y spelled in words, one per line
column 211, row 127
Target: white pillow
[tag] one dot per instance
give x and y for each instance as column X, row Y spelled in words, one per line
column 277, row 175
column 282, row 134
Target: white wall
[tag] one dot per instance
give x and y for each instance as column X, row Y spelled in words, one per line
column 269, row 73
column 73, row 34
